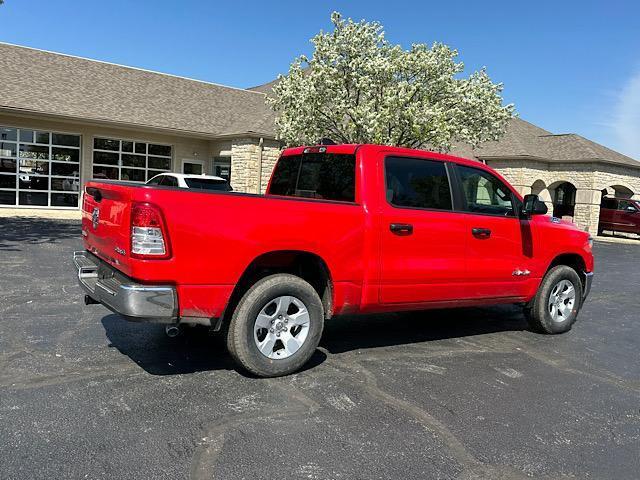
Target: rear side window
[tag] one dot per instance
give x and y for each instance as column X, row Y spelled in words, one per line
column 417, row 183
column 208, row 184
column 168, row 181
column 323, row 176
column 484, row 193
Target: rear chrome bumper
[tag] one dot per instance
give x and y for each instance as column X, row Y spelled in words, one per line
column 119, row 293
column 588, row 280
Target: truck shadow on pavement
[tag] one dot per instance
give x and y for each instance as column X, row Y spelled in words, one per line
column 372, row 331
column 196, row 350
column 20, row 230
column 148, row 346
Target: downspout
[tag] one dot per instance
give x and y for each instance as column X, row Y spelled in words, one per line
column 260, row 146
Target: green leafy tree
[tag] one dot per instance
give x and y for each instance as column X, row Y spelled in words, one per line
column 359, row 88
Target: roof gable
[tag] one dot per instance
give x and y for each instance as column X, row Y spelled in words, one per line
column 36, row 81
column 523, row 139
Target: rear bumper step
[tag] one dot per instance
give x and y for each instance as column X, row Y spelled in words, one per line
column 121, row 294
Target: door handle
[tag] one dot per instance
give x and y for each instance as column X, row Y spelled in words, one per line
column 481, row 233
column 401, row 229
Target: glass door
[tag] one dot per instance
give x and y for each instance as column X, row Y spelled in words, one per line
column 222, row 167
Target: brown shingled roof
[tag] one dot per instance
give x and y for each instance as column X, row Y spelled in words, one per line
column 36, row 81
column 50, row 83
column 524, row 140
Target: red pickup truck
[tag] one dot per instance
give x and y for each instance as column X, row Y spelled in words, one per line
column 342, row 229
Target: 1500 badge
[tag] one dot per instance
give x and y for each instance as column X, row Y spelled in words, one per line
column 95, row 218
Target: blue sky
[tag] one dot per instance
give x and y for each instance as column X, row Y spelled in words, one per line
column 569, row 66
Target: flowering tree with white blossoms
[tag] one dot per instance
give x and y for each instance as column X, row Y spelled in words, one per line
column 359, row 88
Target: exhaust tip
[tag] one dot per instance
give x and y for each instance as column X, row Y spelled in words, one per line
column 90, row 300
column 172, row 331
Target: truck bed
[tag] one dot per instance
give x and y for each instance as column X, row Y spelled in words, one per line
column 213, row 236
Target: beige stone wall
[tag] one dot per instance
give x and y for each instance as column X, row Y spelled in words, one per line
column 615, row 175
column 249, row 161
column 244, row 165
column 270, row 154
column 589, row 178
column 523, row 173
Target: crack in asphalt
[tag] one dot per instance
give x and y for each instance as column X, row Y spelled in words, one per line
column 41, row 318
column 209, row 451
column 560, row 362
column 90, row 373
column 207, row 454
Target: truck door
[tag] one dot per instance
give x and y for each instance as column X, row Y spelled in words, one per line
column 608, row 207
column 500, row 245
column 627, row 217
column 422, row 239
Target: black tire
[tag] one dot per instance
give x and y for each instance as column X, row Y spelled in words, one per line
column 538, row 313
column 240, row 335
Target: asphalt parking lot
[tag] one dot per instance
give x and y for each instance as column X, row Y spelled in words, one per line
column 468, row 394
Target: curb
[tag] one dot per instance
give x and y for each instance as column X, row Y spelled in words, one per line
column 627, row 241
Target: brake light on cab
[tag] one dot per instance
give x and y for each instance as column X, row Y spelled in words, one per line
column 149, row 237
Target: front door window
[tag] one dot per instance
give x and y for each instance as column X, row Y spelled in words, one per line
column 484, row 193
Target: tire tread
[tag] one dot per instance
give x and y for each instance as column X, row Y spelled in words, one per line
column 243, row 352
column 536, row 313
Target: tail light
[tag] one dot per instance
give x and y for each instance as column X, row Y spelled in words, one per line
column 149, row 237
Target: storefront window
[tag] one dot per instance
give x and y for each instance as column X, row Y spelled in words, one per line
column 128, row 160
column 39, row 168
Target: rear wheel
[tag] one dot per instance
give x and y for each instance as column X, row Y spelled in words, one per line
column 556, row 305
column 276, row 326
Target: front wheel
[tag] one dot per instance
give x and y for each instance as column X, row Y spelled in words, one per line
column 276, row 326
column 556, row 305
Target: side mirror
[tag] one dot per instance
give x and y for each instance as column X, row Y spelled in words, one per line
column 631, row 209
column 532, row 205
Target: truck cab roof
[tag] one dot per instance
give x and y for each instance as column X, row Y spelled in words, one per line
column 352, row 148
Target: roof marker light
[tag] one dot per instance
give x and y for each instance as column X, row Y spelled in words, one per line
column 315, row 150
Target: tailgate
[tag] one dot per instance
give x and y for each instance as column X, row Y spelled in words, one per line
column 105, row 221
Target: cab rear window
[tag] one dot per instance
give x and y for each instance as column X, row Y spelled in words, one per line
column 324, row 176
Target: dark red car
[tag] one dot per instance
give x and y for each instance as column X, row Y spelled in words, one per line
column 619, row 215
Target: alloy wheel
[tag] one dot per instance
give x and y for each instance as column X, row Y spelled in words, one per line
column 281, row 327
column 562, row 299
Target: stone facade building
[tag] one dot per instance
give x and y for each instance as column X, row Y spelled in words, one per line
column 65, row 120
column 570, row 173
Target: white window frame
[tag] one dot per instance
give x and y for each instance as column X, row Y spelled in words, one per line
column 119, row 167
column 196, row 162
column 50, row 176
